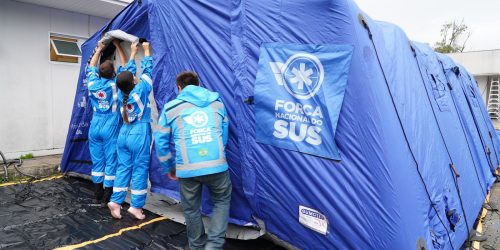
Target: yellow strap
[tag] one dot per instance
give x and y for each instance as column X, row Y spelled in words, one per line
column 482, row 217
column 35, row 181
column 111, row 235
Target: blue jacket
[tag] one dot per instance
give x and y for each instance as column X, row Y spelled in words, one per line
column 103, row 93
column 138, row 105
column 197, row 123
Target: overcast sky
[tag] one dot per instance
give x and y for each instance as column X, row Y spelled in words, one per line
column 422, row 19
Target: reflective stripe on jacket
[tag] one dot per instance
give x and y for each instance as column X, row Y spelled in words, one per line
column 197, row 123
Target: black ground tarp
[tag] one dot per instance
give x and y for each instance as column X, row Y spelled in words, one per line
column 61, row 212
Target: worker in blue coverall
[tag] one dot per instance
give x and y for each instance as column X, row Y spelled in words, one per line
column 105, row 122
column 197, row 123
column 134, row 139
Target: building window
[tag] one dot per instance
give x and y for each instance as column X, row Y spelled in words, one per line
column 64, row 49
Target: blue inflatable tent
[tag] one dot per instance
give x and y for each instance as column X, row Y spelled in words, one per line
column 343, row 133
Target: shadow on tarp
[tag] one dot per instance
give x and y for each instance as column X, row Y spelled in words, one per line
column 61, row 212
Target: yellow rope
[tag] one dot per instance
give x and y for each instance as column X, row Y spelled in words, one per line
column 35, row 181
column 111, row 235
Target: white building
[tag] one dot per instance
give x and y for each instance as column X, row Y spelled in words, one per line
column 39, row 68
column 485, row 66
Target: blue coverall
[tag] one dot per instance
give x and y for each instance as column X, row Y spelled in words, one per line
column 105, row 124
column 134, row 142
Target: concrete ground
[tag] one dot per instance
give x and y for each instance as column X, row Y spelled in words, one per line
column 491, row 227
column 41, row 166
column 496, row 124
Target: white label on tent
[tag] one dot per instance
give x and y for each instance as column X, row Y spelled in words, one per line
column 313, row 219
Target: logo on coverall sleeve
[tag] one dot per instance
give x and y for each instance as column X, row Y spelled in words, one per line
column 201, row 133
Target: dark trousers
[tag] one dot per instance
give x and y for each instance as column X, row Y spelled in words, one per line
column 220, row 194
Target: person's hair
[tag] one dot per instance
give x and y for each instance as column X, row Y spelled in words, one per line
column 125, row 82
column 186, row 78
column 107, row 69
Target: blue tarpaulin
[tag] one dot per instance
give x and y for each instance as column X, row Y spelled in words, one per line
column 410, row 151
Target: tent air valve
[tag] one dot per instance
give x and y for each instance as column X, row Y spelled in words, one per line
column 487, row 150
column 452, row 166
column 249, row 100
column 453, row 217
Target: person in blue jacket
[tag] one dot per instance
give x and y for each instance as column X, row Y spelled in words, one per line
column 197, row 123
column 105, row 122
column 134, row 139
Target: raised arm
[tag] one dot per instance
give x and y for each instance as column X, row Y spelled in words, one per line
column 130, row 65
column 133, row 50
column 147, row 62
column 97, row 54
column 147, row 51
column 92, row 72
column 147, row 68
column 121, row 54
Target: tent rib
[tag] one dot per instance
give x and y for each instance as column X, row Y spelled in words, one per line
column 365, row 25
column 454, row 174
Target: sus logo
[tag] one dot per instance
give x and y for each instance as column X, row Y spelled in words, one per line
column 299, row 90
column 197, row 119
column 302, row 75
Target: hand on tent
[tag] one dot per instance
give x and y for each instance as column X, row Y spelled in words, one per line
column 134, row 47
column 133, row 50
column 100, row 46
column 96, row 55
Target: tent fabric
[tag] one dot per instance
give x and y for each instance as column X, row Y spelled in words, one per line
column 118, row 34
column 416, row 147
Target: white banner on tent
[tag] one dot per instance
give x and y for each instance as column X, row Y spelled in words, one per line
column 313, row 219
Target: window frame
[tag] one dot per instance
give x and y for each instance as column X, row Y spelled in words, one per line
column 52, row 38
column 66, row 59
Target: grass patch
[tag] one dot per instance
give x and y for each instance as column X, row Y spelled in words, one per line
column 27, row 156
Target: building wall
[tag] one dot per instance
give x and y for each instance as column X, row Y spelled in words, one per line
column 481, row 63
column 37, row 94
column 482, row 82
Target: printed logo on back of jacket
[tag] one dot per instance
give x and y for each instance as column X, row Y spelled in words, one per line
column 302, row 76
column 103, row 104
column 200, row 133
column 132, row 115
